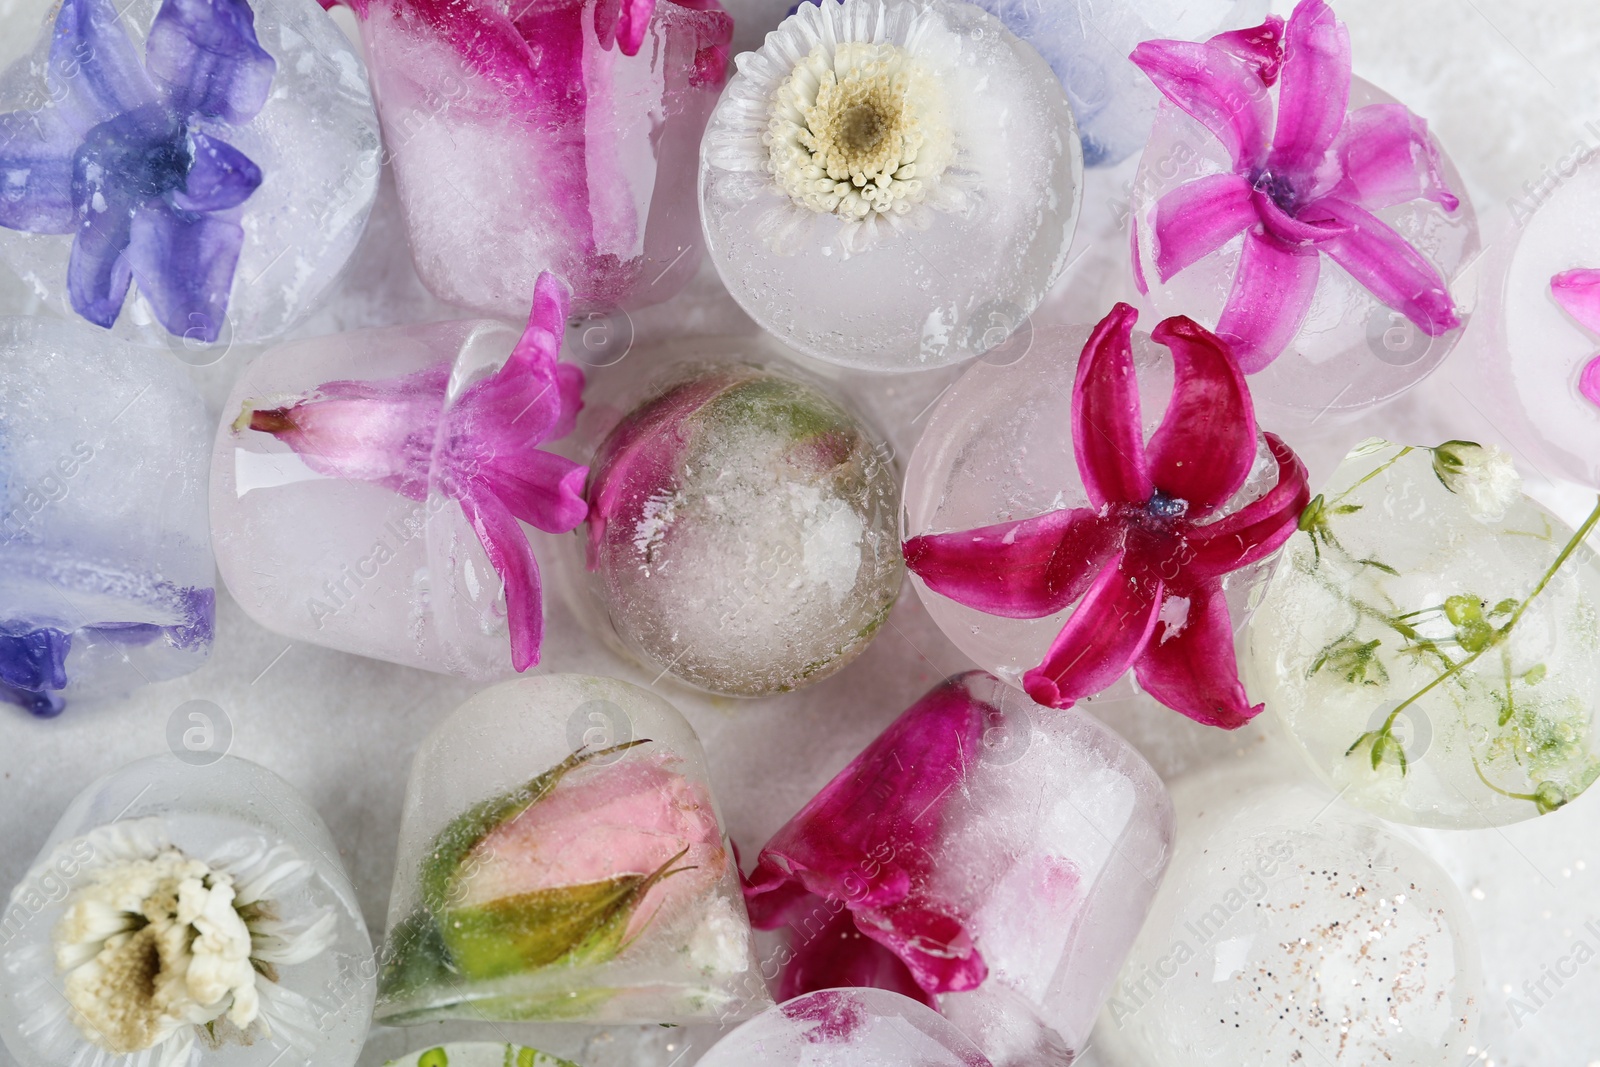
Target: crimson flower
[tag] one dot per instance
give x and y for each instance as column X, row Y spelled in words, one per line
column 1578, row 293
column 1300, row 186
column 1148, row 557
column 481, row 450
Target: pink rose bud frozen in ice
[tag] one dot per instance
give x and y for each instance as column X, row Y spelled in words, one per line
column 553, row 136
column 964, row 860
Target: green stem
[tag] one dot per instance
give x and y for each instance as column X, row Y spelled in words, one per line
column 1503, row 792
column 1374, row 472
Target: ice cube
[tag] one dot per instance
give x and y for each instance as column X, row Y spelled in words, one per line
column 561, row 857
column 846, row 1028
column 1434, row 660
column 189, row 904
column 106, row 577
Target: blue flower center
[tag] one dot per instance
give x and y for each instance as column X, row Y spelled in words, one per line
column 1162, row 506
column 1278, row 189
column 141, row 154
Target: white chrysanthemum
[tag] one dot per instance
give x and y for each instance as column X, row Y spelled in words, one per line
column 158, row 949
column 1484, row 477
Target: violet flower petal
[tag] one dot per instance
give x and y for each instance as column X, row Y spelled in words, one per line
column 1390, row 268
column 541, row 488
column 1105, row 634
column 1206, row 444
column 34, row 658
column 1256, row 530
column 1194, row 670
column 1291, row 229
column 36, row 150
column 1199, row 217
column 506, row 544
column 1259, row 47
column 205, row 54
column 184, row 263
column 524, row 399
column 1018, row 570
column 98, row 274
column 1589, row 380
column 1271, row 294
column 94, row 64
column 628, row 26
column 1387, row 158
column 220, row 177
column 1315, row 91
column 1220, row 91
column 1578, row 293
column 1106, row 433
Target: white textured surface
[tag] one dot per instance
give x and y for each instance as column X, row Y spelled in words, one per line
column 1506, row 84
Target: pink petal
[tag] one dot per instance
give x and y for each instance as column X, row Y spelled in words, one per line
column 1260, row 47
column 1255, row 531
column 529, row 398
column 1271, row 294
column 511, row 556
column 1105, row 634
column 1018, row 570
column 1315, row 91
column 1589, row 380
column 837, row 955
column 540, row 488
column 1387, row 158
column 1139, row 283
column 632, row 21
column 1199, row 217
column 935, row 947
column 1203, row 450
column 1193, row 670
column 1291, row 230
column 1216, row 89
column 1578, row 293
column 1392, row 270
column 1106, row 434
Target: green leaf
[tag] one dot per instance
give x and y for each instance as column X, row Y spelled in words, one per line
column 1379, row 746
column 1384, row 567
column 434, row 1057
column 1311, row 514
column 414, row 957
column 462, row 835
column 1535, row 674
column 1357, row 663
column 1357, row 742
column 1348, row 509
column 1505, row 607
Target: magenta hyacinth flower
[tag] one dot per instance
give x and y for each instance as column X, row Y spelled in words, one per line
column 1148, row 557
column 481, row 450
column 1578, row 293
column 1303, row 184
column 851, row 871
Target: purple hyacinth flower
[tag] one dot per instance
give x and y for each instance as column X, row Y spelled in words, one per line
column 129, row 158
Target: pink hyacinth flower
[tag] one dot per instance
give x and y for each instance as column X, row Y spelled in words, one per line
column 1145, row 562
column 481, row 450
column 851, row 871
column 1578, row 293
column 1305, row 181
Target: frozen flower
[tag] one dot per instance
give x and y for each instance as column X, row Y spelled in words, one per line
column 131, row 161
column 158, row 948
column 1144, row 563
column 1304, row 181
column 568, row 870
column 1578, row 293
column 481, row 449
column 1484, row 478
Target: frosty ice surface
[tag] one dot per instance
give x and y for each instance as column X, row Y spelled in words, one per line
column 1430, row 639
column 480, row 1054
column 945, row 206
column 742, row 530
column 846, row 1028
column 106, row 578
column 1291, row 929
column 219, row 157
column 561, row 858
column 184, row 913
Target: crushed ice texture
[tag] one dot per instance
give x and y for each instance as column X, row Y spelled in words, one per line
column 846, row 1028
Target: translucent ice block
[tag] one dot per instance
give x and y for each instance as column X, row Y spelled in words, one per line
column 1436, row 663
column 742, row 530
column 538, row 139
column 268, row 178
column 186, row 914
column 561, row 858
column 973, row 164
column 846, row 1028
column 106, row 578
column 984, row 854
column 480, row 1054
column 1291, row 929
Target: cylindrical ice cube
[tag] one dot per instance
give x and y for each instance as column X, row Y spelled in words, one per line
column 480, row 1054
column 561, row 857
column 985, row 854
column 1430, row 637
column 556, row 136
column 222, row 156
column 742, row 530
column 186, row 913
column 106, row 578
column 846, row 1028
column 891, row 184
column 1292, row 929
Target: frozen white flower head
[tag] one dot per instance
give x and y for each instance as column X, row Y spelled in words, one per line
column 890, row 184
column 158, row 949
column 1484, row 477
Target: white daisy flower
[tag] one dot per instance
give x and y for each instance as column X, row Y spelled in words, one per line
column 881, row 171
column 161, row 953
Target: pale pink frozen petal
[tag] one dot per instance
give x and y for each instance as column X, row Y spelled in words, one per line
column 1199, row 217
